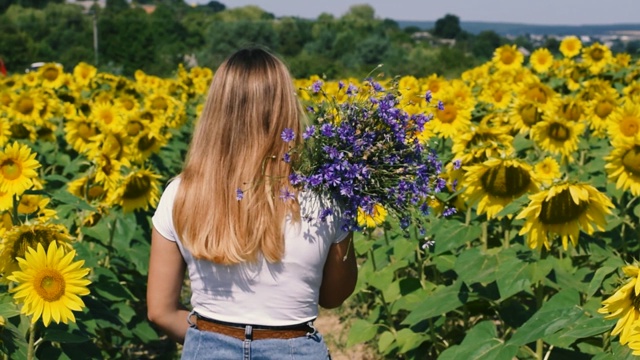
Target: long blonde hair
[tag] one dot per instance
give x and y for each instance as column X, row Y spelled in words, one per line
column 237, row 144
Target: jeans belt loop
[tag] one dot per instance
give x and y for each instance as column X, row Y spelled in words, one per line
column 248, row 332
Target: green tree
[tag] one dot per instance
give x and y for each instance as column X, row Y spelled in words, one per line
column 485, row 43
column 447, row 27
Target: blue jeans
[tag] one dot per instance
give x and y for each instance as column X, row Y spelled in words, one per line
column 209, row 345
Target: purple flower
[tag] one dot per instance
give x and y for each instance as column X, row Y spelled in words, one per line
column 309, row 132
column 427, row 244
column 288, row 134
column 456, row 164
column 428, row 96
column 239, row 194
column 295, row 179
column 286, row 157
column 311, row 110
column 317, row 86
column 449, row 211
column 440, row 105
column 286, row 195
column 326, row 130
column 340, row 85
column 352, row 89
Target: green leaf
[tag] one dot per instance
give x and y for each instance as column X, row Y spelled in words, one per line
column 557, row 313
column 65, row 197
column 474, row 266
column 481, row 343
column 361, row 331
column 583, row 328
column 99, row 231
column 404, row 249
column 512, row 276
column 441, row 301
column 385, row 341
column 62, row 336
column 514, row 206
column 145, row 332
column 452, row 235
column 408, row 340
column 598, row 277
column 444, row 262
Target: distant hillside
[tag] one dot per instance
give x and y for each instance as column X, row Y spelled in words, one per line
column 504, row 29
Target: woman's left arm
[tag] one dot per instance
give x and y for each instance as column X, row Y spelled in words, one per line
column 166, row 276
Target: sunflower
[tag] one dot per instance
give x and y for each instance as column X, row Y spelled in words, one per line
column 148, row 143
column 547, row 170
column 558, row 136
column 541, row 60
column 594, row 87
column 79, row 133
column 5, row 130
column 375, row 218
column 632, row 92
column 26, row 106
column 454, row 119
column 107, row 117
column 600, row 110
column 524, row 115
column 50, row 284
column 507, row 57
column 574, row 74
column 18, row 238
column 624, row 305
column 51, row 75
column 115, row 145
column 127, row 103
column 596, row 57
column 434, row 83
column 570, row 46
column 497, row 182
column 107, row 172
column 562, row 210
column 481, row 142
column 624, row 122
column 6, row 200
column 83, row 73
column 86, row 187
column 496, row 93
column 569, row 108
column 17, row 168
column 623, row 166
column 139, row 190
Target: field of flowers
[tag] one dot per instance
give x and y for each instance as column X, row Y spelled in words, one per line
column 535, row 257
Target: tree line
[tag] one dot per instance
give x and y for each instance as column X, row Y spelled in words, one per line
column 131, row 38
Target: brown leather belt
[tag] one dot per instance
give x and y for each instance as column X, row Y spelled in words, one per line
column 256, row 333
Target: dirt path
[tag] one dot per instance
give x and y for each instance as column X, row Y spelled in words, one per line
column 335, row 334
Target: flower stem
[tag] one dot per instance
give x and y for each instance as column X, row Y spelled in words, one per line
column 31, row 351
column 539, row 292
column 485, row 235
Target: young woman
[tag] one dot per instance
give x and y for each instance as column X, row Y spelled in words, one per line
column 257, row 270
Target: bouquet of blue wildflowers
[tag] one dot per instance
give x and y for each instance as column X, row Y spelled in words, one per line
column 364, row 152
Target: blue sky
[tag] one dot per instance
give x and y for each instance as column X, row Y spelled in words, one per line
column 543, row 12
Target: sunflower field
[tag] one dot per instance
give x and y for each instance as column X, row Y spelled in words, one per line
column 541, row 160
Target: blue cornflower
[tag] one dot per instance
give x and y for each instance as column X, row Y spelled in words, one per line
column 311, row 110
column 239, row 194
column 295, row 179
column 286, row 195
column 449, row 211
column 288, row 134
column 340, row 85
column 310, row 130
column 325, row 213
column 317, row 86
column 428, row 96
column 440, row 105
column 327, row 130
column 352, row 89
column 456, row 164
column 286, row 157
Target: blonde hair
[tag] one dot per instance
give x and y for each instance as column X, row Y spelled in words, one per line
column 237, row 144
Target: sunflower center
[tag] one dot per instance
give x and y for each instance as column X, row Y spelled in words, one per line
column 558, row 132
column 127, row 104
column 505, row 181
column 571, row 111
column 49, row 284
column 537, row 94
column 146, row 142
column 448, row 115
column 106, row 116
column 159, row 104
column 51, row 74
column 481, row 137
column 597, row 54
column 530, row 114
column 19, row 131
column 631, row 160
column 603, row 109
column 134, row 128
column 5, row 99
column 137, row 187
column 25, row 105
column 85, row 131
column 507, row 57
column 95, row 192
column 561, row 209
column 10, row 169
column 629, row 125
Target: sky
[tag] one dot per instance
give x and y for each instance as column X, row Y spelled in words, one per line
column 538, row 12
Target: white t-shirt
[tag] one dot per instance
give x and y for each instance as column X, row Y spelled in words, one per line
column 260, row 293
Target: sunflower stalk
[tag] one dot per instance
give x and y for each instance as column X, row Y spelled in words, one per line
column 31, row 349
column 539, row 293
